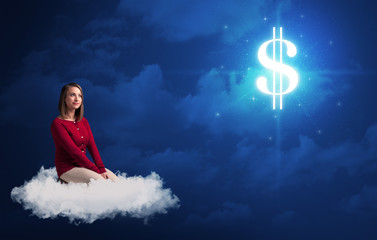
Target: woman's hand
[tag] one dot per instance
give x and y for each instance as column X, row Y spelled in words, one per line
column 104, row 175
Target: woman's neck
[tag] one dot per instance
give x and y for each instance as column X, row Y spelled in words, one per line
column 70, row 115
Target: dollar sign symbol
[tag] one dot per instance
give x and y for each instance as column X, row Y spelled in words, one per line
column 277, row 67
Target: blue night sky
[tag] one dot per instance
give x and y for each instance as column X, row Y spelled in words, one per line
column 170, row 87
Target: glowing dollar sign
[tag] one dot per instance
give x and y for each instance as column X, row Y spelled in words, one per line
column 277, row 67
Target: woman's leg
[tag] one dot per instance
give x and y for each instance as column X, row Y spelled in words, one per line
column 80, row 175
column 111, row 175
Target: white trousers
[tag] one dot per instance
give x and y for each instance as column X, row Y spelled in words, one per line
column 83, row 175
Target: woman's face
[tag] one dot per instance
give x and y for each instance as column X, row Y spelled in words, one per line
column 73, row 99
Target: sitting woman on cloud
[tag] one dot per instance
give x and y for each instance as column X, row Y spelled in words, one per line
column 137, row 196
column 72, row 136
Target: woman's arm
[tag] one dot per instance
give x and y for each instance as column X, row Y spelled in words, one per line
column 93, row 150
column 61, row 136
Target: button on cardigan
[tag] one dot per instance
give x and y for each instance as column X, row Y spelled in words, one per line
column 71, row 140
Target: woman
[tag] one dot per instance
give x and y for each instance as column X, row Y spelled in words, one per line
column 72, row 135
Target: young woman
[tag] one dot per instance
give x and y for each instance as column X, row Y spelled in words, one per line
column 72, row 136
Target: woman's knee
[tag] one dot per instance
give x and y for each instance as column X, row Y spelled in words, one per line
column 111, row 175
column 78, row 174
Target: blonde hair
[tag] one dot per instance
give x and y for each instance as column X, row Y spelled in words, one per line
column 62, row 106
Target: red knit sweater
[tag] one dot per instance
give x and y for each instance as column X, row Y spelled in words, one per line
column 71, row 140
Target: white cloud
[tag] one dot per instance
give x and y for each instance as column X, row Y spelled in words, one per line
column 139, row 197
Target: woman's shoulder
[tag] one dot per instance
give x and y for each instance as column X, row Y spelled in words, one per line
column 57, row 119
column 84, row 120
column 57, row 122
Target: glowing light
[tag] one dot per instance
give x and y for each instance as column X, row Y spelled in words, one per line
column 277, row 67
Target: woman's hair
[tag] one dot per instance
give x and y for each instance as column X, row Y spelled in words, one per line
column 62, row 107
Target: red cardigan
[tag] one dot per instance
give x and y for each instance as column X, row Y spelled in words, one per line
column 71, row 139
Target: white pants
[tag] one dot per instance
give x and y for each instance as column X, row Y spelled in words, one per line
column 83, row 175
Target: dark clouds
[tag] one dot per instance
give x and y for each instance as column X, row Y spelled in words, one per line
column 363, row 203
column 178, row 21
column 308, row 163
column 230, row 213
column 229, row 102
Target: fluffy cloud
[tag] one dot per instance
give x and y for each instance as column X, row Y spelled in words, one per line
column 139, row 197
